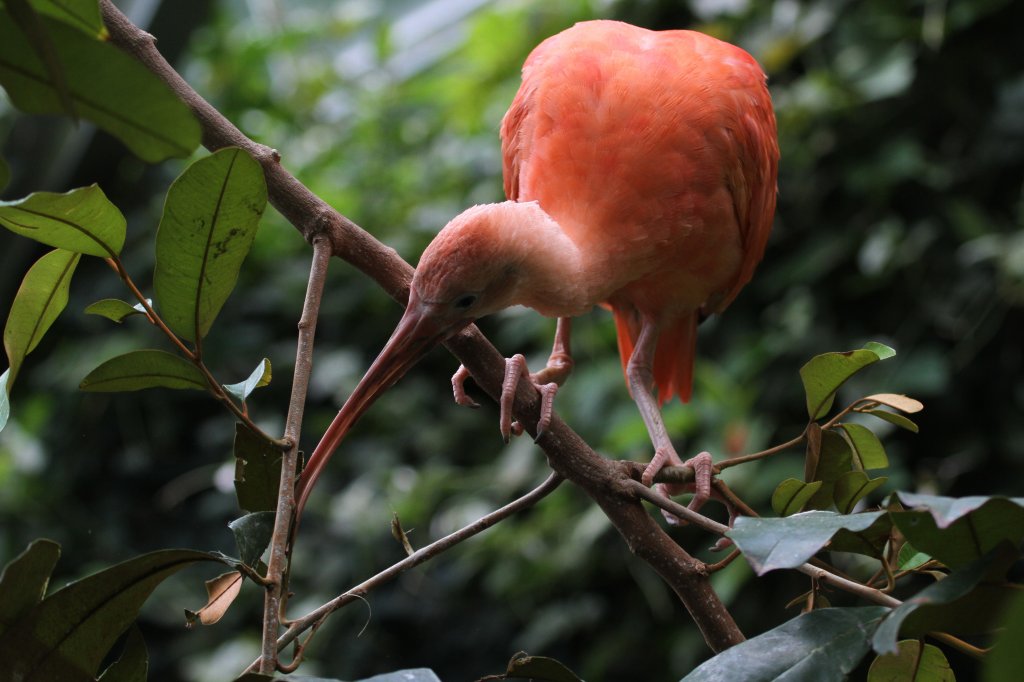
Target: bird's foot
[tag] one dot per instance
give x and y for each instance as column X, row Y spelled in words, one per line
column 459, row 388
column 703, row 470
column 515, row 371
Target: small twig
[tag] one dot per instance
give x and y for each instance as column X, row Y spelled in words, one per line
column 960, row 645
column 280, row 541
column 311, row 619
column 719, row 565
column 732, row 498
column 743, row 459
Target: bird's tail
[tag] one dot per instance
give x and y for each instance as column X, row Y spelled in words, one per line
column 673, row 358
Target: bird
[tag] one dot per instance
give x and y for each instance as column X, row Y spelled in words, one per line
column 640, row 172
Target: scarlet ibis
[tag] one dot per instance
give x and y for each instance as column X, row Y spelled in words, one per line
column 640, row 169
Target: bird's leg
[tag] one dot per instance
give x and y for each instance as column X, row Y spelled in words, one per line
column 640, row 372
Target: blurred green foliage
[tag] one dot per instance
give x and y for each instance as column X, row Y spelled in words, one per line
column 899, row 219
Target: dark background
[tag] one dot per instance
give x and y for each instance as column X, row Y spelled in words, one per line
column 899, row 220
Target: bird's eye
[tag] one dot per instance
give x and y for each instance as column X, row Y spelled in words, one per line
column 465, row 301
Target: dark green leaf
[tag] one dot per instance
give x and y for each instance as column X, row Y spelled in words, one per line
column 252, row 535
column 939, row 605
column 24, row 580
column 143, row 369
column 133, row 665
column 893, row 418
column 82, row 220
column 957, row 531
column 1006, row 659
column 852, row 487
column 68, row 634
column 834, row 461
column 114, row 309
column 868, row 452
column 823, row 645
column 259, row 378
column 914, row 662
column 82, row 14
column 107, row 86
column 769, row 544
column 209, row 221
column 257, row 471
column 5, row 401
column 539, row 668
column 31, row 24
column 40, row 299
column 791, row 496
column 824, row 374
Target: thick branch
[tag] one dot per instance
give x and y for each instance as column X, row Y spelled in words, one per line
column 567, row 453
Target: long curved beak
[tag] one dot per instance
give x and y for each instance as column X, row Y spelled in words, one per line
column 417, row 332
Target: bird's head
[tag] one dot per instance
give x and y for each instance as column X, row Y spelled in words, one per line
column 468, row 271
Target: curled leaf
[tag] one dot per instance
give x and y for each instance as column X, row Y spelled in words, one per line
column 221, row 592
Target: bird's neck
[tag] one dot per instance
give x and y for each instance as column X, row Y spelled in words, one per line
column 553, row 271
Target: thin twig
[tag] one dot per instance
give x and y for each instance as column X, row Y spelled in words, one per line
column 279, row 553
column 313, row 618
column 215, row 389
column 743, row 459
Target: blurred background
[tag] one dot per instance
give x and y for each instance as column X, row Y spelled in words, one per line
column 899, row 220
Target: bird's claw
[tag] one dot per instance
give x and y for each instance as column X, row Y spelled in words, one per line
column 703, row 470
column 515, row 371
column 459, row 388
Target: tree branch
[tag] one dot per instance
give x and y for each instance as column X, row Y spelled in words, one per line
column 567, row 453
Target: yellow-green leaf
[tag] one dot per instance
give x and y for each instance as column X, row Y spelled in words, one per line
column 868, row 452
column 792, row 494
column 143, row 369
column 40, row 299
column 913, row 662
column 208, row 225
column 824, row 374
column 82, row 220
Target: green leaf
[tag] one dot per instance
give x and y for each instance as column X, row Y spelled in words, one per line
column 5, row 401
column 1006, row 660
column 824, row 374
column 252, row 535
column 208, row 225
column 82, row 220
column 133, row 664
column 257, row 471
column 852, row 487
column 957, row 531
column 259, row 378
column 107, row 86
column 540, row 668
column 910, row 558
column 143, row 369
column 928, row 604
column 823, row 645
column 893, row 418
column 67, row 635
column 868, row 452
column 769, row 544
column 32, row 25
column 913, row 662
column 792, row 494
column 82, row 14
column 40, row 299
column 115, row 309
column 24, row 580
